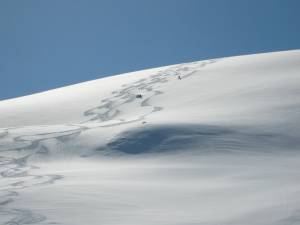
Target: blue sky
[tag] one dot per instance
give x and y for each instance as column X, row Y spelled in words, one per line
column 53, row 43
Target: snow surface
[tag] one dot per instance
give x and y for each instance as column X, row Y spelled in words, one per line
column 219, row 146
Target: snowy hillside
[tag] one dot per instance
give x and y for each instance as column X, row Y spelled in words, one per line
column 220, row 145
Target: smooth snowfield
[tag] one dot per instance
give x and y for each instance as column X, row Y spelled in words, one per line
column 219, row 146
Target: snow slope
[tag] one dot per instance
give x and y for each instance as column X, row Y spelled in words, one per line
column 219, row 146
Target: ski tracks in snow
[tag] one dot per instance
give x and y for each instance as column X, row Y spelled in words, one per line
column 110, row 107
column 16, row 173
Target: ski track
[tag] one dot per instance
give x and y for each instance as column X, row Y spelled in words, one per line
column 19, row 171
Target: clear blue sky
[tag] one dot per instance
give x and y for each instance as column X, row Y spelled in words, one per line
column 53, row 43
